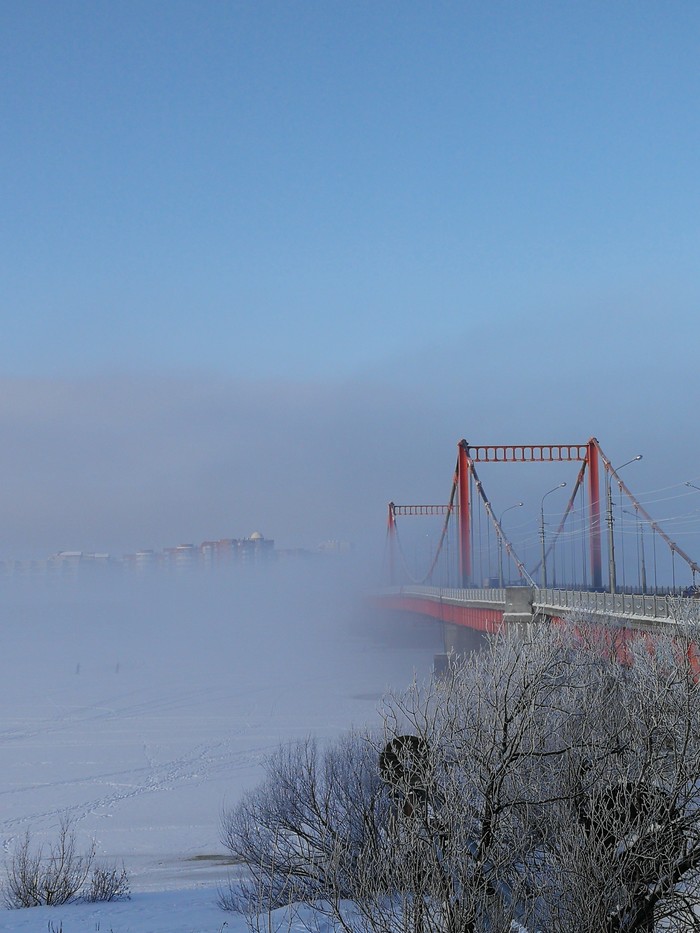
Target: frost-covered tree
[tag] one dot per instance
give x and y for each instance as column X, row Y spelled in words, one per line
column 541, row 783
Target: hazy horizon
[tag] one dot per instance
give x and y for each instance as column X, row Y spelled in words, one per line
column 265, row 264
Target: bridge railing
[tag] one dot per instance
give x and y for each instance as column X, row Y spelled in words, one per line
column 638, row 606
column 449, row 594
column 633, row 607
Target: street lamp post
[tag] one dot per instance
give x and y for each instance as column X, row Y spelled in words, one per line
column 500, row 542
column 612, row 579
column 544, row 552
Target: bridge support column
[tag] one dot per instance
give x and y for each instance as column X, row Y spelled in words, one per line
column 459, row 639
column 594, row 514
column 463, row 524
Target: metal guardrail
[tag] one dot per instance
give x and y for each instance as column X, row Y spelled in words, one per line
column 474, row 595
column 632, row 607
column 620, row 605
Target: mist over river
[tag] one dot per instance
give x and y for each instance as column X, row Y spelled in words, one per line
column 139, row 705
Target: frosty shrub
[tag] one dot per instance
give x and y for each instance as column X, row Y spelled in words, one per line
column 35, row 876
column 540, row 784
column 302, row 832
column 107, row 883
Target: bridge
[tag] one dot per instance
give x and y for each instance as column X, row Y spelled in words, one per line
column 477, row 581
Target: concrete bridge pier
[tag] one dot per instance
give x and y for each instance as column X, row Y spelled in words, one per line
column 458, row 639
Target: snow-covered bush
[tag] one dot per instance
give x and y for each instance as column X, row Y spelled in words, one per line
column 35, row 876
column 539, row 783
column 108, row 882
column 302, row 832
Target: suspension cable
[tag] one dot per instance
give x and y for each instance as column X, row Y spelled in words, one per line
column 510, row 550
column 449, row 509
column 675, row 549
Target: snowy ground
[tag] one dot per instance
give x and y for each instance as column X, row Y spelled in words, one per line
column 140, row 707
column 184, row 911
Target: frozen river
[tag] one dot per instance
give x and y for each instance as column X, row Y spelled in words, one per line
column 140, row 706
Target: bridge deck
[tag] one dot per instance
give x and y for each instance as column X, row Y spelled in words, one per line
column 636, row 609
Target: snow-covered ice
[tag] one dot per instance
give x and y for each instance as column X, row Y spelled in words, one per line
column 184, row 911
column 139, row 706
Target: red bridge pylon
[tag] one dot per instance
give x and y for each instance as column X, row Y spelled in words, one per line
column 587, row 454
column 466, row 480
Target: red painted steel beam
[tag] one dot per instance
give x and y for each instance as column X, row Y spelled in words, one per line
column 611, row 642
column 465, row 557
column 481, row 620
column 594, row 530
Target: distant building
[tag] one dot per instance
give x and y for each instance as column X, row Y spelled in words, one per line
column 335, row 547
column 182, row 557
column 141, row 561
column 256, row 547
column 70, row 562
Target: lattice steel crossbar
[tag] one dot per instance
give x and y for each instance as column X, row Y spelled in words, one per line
column 422, row 509
column 527, row 453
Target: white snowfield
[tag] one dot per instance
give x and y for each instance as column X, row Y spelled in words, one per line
column 140, row 706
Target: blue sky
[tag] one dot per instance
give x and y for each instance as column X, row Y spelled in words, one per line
column 446, row 219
